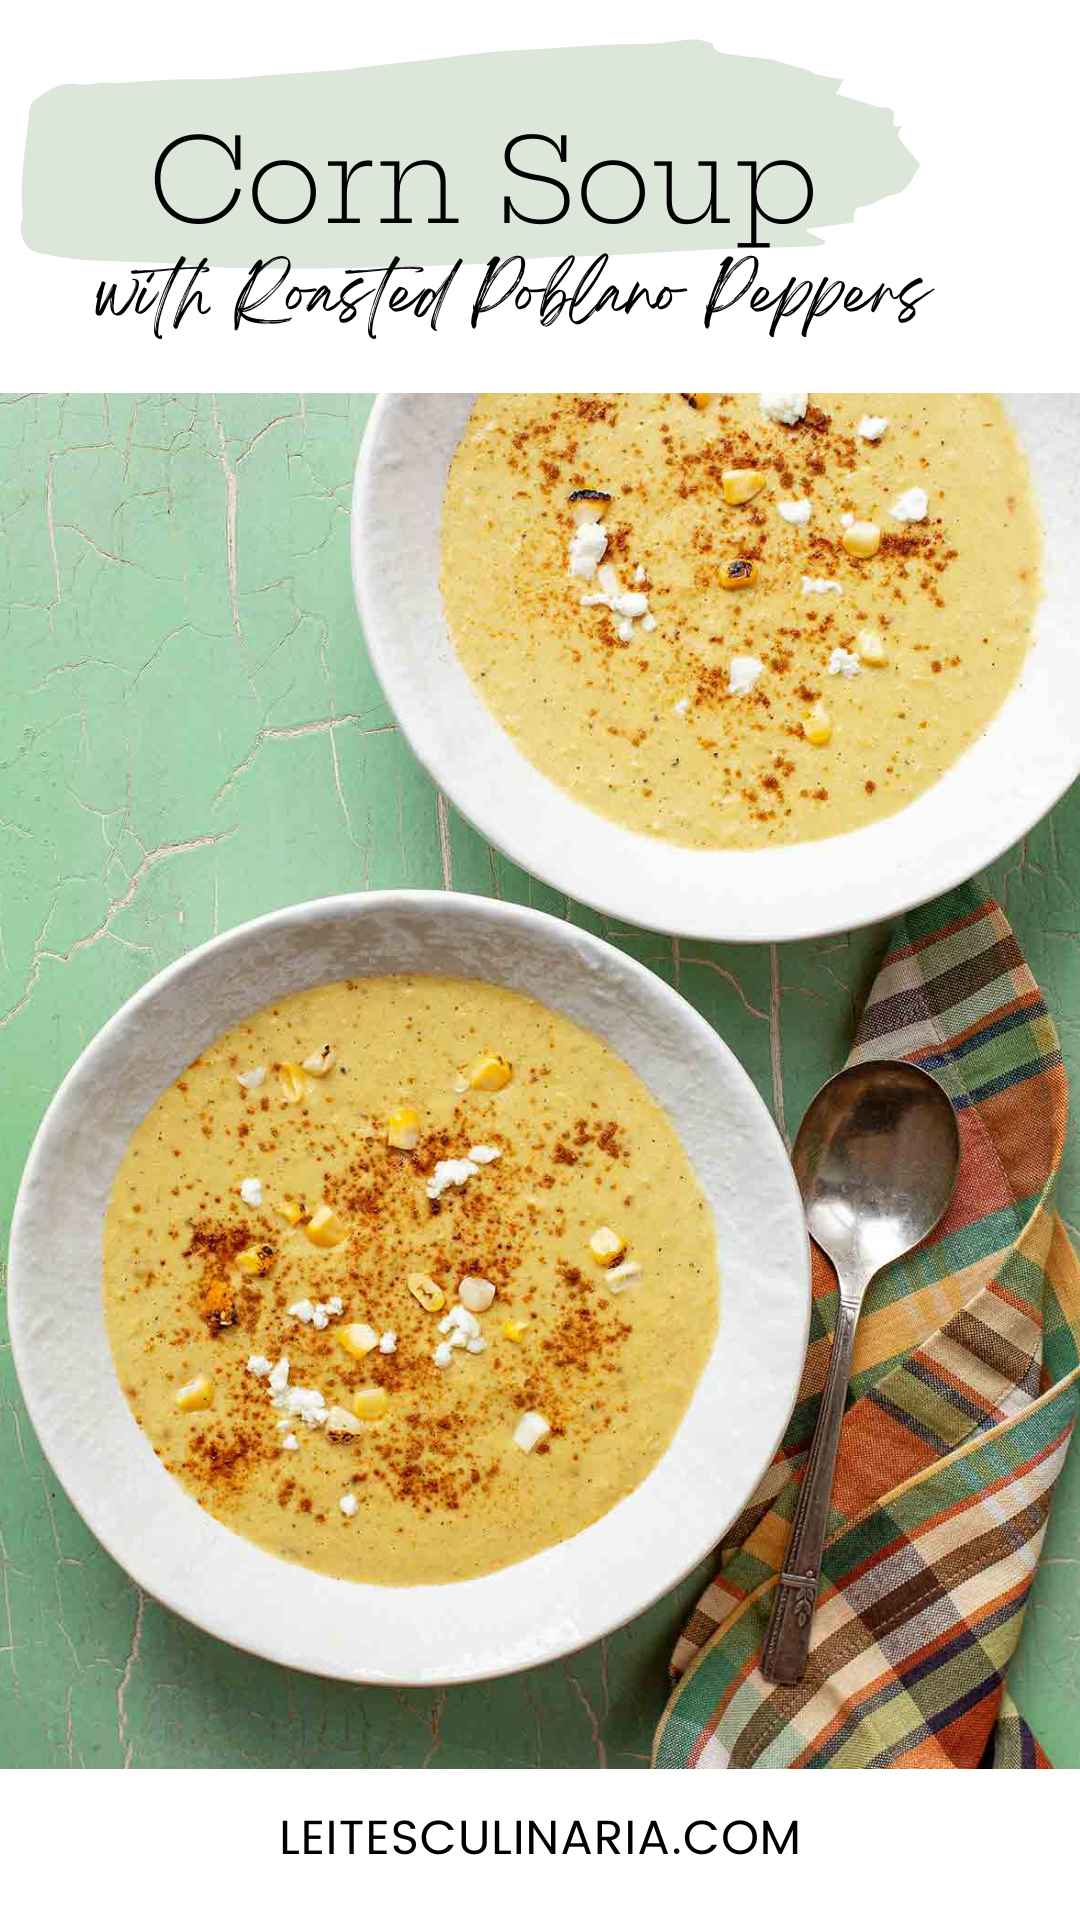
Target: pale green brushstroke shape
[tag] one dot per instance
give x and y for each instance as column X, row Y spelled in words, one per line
column 90, row 153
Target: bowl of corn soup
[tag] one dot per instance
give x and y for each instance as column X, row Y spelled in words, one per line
column 752, row 666
column 408, row 1287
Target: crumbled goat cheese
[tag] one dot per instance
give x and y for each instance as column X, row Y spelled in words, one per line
column 871, row 426
column 251, row 1192
column 744, row 672
column 460, row 1320
column 462, row 1329
column 681, row 706
column 810, row 585
column 640, row 576
column 449, row 1173
column 484, row 1155
column 627, row 607
column 911, row 505
column 795, row 512
column 304, row 1403
column 290, row 1443
column 786, row 408
column 841, row 661
column 348, row 1504
column 316, row 1313
column 588, row 545
column 253, row 1078
column 259, row 1365
column 388, row 1341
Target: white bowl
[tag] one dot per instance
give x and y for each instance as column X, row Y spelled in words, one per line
column 562, row 1598
column 1004, row 783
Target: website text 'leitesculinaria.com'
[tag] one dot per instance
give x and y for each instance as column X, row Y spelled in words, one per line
column 365, row 1838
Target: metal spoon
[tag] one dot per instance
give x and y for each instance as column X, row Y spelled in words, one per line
column 876, row 1159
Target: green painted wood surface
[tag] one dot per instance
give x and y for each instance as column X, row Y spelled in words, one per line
column 190, row 734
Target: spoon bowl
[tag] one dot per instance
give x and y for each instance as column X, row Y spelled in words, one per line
column 876, row 1159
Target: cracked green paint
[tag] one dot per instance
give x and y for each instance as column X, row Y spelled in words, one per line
column 190, row 734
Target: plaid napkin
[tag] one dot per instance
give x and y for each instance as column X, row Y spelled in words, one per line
column 963, row 1398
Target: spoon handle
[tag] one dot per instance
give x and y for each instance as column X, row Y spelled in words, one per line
column 787, row 1643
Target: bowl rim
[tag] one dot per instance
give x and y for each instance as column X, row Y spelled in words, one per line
column 133, row 1554
column 750, row 896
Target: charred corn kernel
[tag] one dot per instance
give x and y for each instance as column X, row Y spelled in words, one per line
column 196, row 1395
column 871, row 649
column 426, row 1292
column 696, row 400
column 341, row 1424
column 739, row 484
column 290, row 1210
column 256, row 1259
column 490, row 1073
column 357, row 1339
column 371, row 1403
column 320, row 1061
column 738, row 573
column 862, row 539
column 606, row 1246
column 291, row 1082
column 514, row 1329
column 817, row 726
column 325, row 1229
column 403, row 1128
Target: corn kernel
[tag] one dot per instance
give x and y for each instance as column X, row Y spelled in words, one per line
column 290, row 1210
column 696, row 400
column 738, row 573
column 817, row 726
column 356, row 1340
column 426, row 1292
column 320, row 1061
column 341, row 1424
column 291, row 1082
column 514, row 1329
column 256, row 1259
column 490, row 1073
column 475, row 1294
column 626, row 1274
column 862, row 539
column 371, row 1403
column 325, row 1229
column 606, row 1246
column 403, row 1128
column 871, row 649
column 739, row 484
column 531, row 1428
column 196, row 1395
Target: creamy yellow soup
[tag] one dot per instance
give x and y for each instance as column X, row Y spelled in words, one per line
column 262, row 1214
column 733, row 630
